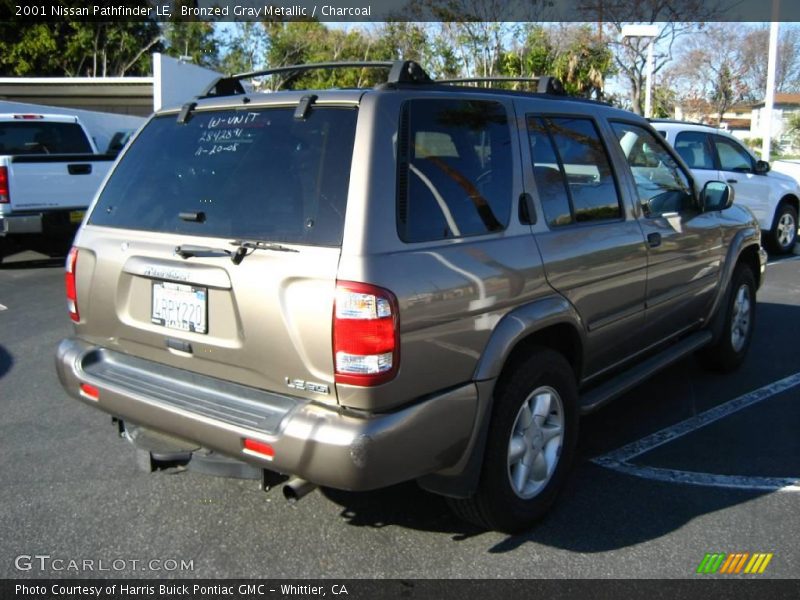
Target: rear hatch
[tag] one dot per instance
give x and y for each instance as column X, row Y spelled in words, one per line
column 215, row 244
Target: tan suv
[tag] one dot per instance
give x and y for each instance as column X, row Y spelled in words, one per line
column 416, row 281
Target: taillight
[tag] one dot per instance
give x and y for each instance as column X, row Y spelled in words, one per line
column 5, row 195
column 69, row 281
column 366, row 343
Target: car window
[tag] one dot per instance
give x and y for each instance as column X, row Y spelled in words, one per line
column 258, row 174
column 42, row 137
column 548, row 175
column 455, row 169
column 693, row 148
column 661, row 183
column 582, row 164
column 732, row 156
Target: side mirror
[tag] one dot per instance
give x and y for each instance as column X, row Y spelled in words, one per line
column 716, row 195
column 762, row 167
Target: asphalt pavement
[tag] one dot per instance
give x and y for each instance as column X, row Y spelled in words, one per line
column 71, row 489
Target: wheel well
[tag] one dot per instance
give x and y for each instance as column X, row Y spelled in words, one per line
column 749, row 257
column 563, row 338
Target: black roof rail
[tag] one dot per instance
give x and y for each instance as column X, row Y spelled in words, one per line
column 545, row 84
column 400, row 71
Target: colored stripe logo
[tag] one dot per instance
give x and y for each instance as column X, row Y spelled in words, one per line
column 738, row 563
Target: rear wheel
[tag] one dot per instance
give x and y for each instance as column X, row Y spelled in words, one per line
column 532, row 437
column 784, row 231
column 739, row 323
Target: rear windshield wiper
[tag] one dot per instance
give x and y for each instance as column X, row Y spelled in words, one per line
column 247, row 247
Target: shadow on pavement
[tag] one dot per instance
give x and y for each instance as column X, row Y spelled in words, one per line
column 600, row 509
column 6, row 361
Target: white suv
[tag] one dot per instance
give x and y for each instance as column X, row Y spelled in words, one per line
column 713, row 154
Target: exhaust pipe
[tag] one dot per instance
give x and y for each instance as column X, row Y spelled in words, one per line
column 296, row 488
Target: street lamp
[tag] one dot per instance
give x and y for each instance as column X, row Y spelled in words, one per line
column 651, row 32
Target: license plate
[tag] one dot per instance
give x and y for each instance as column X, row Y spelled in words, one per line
column 180, row 306
column 76, row 216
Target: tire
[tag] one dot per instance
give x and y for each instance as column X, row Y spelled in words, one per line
column 739, row 320
column 783, row 235
column 511, row 496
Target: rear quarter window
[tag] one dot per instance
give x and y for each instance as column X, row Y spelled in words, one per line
column 255, row 174
column 455, row 169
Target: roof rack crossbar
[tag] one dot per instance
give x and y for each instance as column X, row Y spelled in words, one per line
column 400, row 71
column 545, row 84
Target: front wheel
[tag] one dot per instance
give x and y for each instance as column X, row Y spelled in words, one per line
column 784, row 231
column 532, row 438
column 739, row 323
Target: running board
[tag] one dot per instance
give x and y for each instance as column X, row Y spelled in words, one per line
column 617, row 386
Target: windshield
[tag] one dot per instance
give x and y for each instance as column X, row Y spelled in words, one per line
column 244, row 174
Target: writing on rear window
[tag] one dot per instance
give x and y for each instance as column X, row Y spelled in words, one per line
column 257, row 174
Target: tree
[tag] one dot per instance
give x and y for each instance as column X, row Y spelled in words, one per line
column 76, row 48
column 753, row 50
column 793, row 130
column 244, row 49
column 676, row 20
column 193, row 39
column 570, row 52
column 710, row 72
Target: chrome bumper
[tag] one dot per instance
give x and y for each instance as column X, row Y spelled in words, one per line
column 317, row 443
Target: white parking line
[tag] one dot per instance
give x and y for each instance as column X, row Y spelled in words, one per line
column 3, row 307
column 619, row 460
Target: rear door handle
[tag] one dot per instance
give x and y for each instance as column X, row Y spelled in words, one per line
column 79, row 169
column 733, row 181
column 654, row 240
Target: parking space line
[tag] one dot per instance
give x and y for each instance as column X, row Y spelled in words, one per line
column 619, row 460
column 2, row 307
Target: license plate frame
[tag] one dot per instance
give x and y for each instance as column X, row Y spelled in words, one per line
column 179, row 306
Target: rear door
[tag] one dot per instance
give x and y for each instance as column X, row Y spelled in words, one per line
column 214, row 246
column 695, row 148
column 593, row 250
column 737, row 168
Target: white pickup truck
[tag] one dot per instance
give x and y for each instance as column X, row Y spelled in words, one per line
column 49, row 172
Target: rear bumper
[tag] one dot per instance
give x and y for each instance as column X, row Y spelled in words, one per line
column 317, row 443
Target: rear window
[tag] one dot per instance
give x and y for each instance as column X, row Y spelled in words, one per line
column 249, row 174
column 41, row 137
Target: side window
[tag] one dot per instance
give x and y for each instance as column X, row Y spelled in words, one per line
column 455, row 169
column 586, row 166
column 693, row 148
column 570, row 164
column 732, row 157
column 548, row 175
column 661, row 183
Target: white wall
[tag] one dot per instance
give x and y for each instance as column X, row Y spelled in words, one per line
column 175, row 83
column 101, row 125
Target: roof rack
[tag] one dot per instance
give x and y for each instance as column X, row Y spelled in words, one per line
column 400, row 71
column 545, row 84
